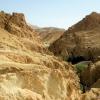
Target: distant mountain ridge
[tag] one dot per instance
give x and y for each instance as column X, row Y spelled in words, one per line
column 49, row 34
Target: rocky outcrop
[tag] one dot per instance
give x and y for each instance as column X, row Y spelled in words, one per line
column 93, row 94
column 27, row 72
column 82, row 39
column 49, row 84
column 16, row 25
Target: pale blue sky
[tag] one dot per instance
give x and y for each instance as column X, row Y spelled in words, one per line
column 58, row 13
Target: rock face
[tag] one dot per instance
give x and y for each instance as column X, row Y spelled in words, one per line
column 27, row 72
column 90, row 76
column 16, row 25
column 82, row 39
column 93, row 94
column 49, row 34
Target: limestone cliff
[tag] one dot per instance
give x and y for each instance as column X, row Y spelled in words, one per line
column 27, row 72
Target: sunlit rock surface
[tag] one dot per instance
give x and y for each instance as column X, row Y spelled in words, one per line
column 28, row 71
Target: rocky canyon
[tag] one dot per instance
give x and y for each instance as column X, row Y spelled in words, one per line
column 37, row 63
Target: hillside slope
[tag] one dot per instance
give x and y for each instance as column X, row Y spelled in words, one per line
column 27, row 71
column 49, row 34
column 80, row 44
column 82, row 39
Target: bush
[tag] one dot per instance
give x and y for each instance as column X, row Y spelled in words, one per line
column 80, row 67
column 81, row 87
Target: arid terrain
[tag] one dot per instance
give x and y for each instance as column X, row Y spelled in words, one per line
column 82, row 39
column 48, row 35
column 29, row 71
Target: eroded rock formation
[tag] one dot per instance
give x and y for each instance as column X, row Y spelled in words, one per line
column 82, row 39
column 27, row 72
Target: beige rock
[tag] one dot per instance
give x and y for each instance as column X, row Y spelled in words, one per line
column 27, row 70
column 93, row 94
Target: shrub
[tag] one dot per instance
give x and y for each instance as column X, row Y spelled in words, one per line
column 80, row 67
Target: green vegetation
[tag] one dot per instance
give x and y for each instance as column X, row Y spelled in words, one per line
column 81, row 87
column 80, row 67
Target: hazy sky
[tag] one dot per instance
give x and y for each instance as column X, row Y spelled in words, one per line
column 58, row 13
